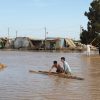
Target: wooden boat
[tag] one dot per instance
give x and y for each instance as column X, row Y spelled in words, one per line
column 56, row 74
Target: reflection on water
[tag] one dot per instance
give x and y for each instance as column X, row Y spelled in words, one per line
column 16, row 83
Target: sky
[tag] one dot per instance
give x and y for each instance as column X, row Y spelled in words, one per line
column 28, row 18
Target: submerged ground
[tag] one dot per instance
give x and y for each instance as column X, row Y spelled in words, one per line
column 16, row 83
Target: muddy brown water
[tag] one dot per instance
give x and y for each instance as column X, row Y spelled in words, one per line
column 17, row 83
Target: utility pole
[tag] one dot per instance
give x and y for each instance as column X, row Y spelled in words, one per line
column 45, row 38
column 16, row 33
column 8, row 32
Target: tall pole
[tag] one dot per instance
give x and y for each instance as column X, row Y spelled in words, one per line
column 8, row 32
column 16, row 33
column 45, row 39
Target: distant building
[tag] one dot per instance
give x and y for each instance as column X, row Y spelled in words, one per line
column 1, row 44
column 70, row 43
column 27, row 43
column 53, row 43
column 6, row 43
column 9, row 43
column 59, row 43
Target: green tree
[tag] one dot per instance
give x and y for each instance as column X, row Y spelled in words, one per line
column 93, row 25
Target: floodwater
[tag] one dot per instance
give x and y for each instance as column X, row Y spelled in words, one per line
column 17, row 83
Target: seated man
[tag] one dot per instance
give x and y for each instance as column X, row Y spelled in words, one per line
column 67, row 69
column 59, row 69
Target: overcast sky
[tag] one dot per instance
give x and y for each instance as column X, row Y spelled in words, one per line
column 62, row 18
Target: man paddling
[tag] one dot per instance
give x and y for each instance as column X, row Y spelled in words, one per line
column 59, row 69
column 67, row 69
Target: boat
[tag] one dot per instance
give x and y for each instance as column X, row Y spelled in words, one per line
column 56, row 74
